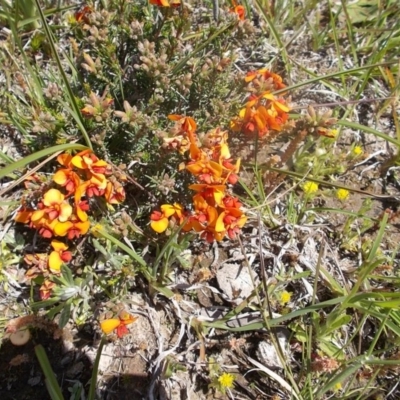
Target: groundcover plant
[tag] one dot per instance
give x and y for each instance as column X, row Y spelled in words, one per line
column 199, row 199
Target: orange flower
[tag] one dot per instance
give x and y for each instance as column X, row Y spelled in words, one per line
column 68, row 179
column 82, row 14
column 239, row 11
column 114, row 193
column 58, row 256
column 271, row 102
column 72, row 229
column 159, row 220
column 206, row 171
column 46, row 289
column 24, row 215
column 80, row 209
column 261, row 118
column 165, row 3
column 266, row 75
column 230, row 221
column 213, row 194
column 230, row 170
column 187, row 125
column 81, row 206
column 205, row 215
column 96, row 186
column 86, row 160
column 159, row 3
column 210, row 234
column 53, row 206
column 119, row 324
column 45, row 227
column 231, row 202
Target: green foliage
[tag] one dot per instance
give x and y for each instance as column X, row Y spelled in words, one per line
column 107, row 77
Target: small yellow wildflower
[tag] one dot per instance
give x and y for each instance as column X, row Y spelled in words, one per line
column 285, row 297
column 226, row 380
column 337, row 387
column 357, row 150
column 96, row 230
column 333, row 133
column 342, row 194
column 310, row 187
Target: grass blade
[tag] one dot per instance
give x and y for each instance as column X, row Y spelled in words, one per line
column 93, row 380
column 76, row 114
column 9, row 169
column 51, row 381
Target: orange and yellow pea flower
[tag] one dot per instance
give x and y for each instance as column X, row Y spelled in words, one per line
column 265, row 74
column 230, row 221
column 259, row 119
column 24, row 215
column 46, row 289
column 263, row 111
column 72, row 229
column 82, row 14
column 240, row 12
column 53, row 207
column 231, row 202
column 45, row 227
column 68, row 179
column 65, row 160
column 81, row 206
column 160, row 3
column 207, row 171
column 160, row 220
column 58, row 256
column 188, row 125
column 86, row 160
column 213, row 194
column 114, row 193
column 119, row 324
column 204, row 215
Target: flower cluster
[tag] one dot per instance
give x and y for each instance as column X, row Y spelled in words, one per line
column 118, row 324
column 64, row 212
column 263, row 111
column 216, row 212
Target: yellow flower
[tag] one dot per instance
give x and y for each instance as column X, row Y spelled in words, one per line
column 342, row 194
column 159, row 220
column 226, row 380
column 54, row 206
column 58, row 256
column 333, row 133
column 285, row 297
column 310, row 187
column 118, row 324
column 72, row 229
column 337, row 387
column 357, row 150
column 108, row 325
